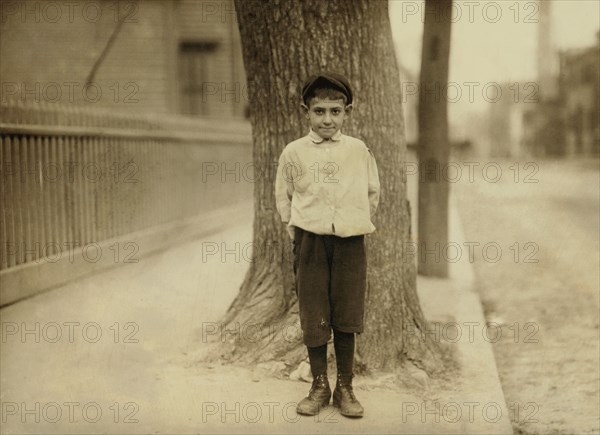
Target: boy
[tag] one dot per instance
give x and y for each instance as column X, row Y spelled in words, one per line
column 327, row 190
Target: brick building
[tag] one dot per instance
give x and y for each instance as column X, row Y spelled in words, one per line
column 159, row 56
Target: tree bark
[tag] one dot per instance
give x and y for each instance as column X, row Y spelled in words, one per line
column 283, row 43
column 433, row 145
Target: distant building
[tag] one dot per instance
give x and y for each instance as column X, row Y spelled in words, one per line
column 559, row 116
column 564, row 121
column 580, row 94
column 542, row 123
column 543, row 129
column 567, row 124
column 167, row 56
column 547, row 60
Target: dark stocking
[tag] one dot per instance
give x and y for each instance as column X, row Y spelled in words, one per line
column 344, row 351
column 318, row 360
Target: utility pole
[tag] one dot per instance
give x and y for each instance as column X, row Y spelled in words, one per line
column 433, row 146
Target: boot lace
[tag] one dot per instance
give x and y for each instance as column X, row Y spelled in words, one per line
column 347, row 385
column 317, row 382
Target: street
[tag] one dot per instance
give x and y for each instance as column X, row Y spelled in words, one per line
column 538, row 280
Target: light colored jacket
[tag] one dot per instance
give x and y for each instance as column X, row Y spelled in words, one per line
column 328, row 186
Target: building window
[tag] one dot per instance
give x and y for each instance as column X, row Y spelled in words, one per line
column 195, row 62
column 588, row 74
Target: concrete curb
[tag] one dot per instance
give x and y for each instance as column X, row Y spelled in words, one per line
column 454, row 306
column 39, row 276
column 455, row 303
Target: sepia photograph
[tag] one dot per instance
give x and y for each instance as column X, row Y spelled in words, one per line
column 300, row 217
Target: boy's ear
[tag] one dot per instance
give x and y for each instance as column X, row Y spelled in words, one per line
column 348, row 109
column 304, row 109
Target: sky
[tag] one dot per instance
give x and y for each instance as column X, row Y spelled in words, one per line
column 484, row 50
column 492, row 42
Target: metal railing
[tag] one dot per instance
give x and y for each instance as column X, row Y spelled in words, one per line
column 71, row 176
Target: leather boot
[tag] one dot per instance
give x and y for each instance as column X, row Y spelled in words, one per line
column 343, row 397
column 318, row 397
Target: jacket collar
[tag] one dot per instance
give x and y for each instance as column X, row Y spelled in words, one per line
column 318, row 139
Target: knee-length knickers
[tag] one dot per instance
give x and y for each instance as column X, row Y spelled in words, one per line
column 331, row 280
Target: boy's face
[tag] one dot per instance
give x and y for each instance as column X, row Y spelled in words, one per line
column 326, row 116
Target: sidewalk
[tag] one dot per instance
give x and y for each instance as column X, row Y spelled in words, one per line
column 87, row 374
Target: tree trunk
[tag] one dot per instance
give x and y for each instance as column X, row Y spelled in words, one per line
column 283, row 43
column 433, row 148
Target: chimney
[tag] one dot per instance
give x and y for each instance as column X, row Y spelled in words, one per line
column 547, row 62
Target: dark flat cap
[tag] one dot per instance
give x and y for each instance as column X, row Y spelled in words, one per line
column 327, row 80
